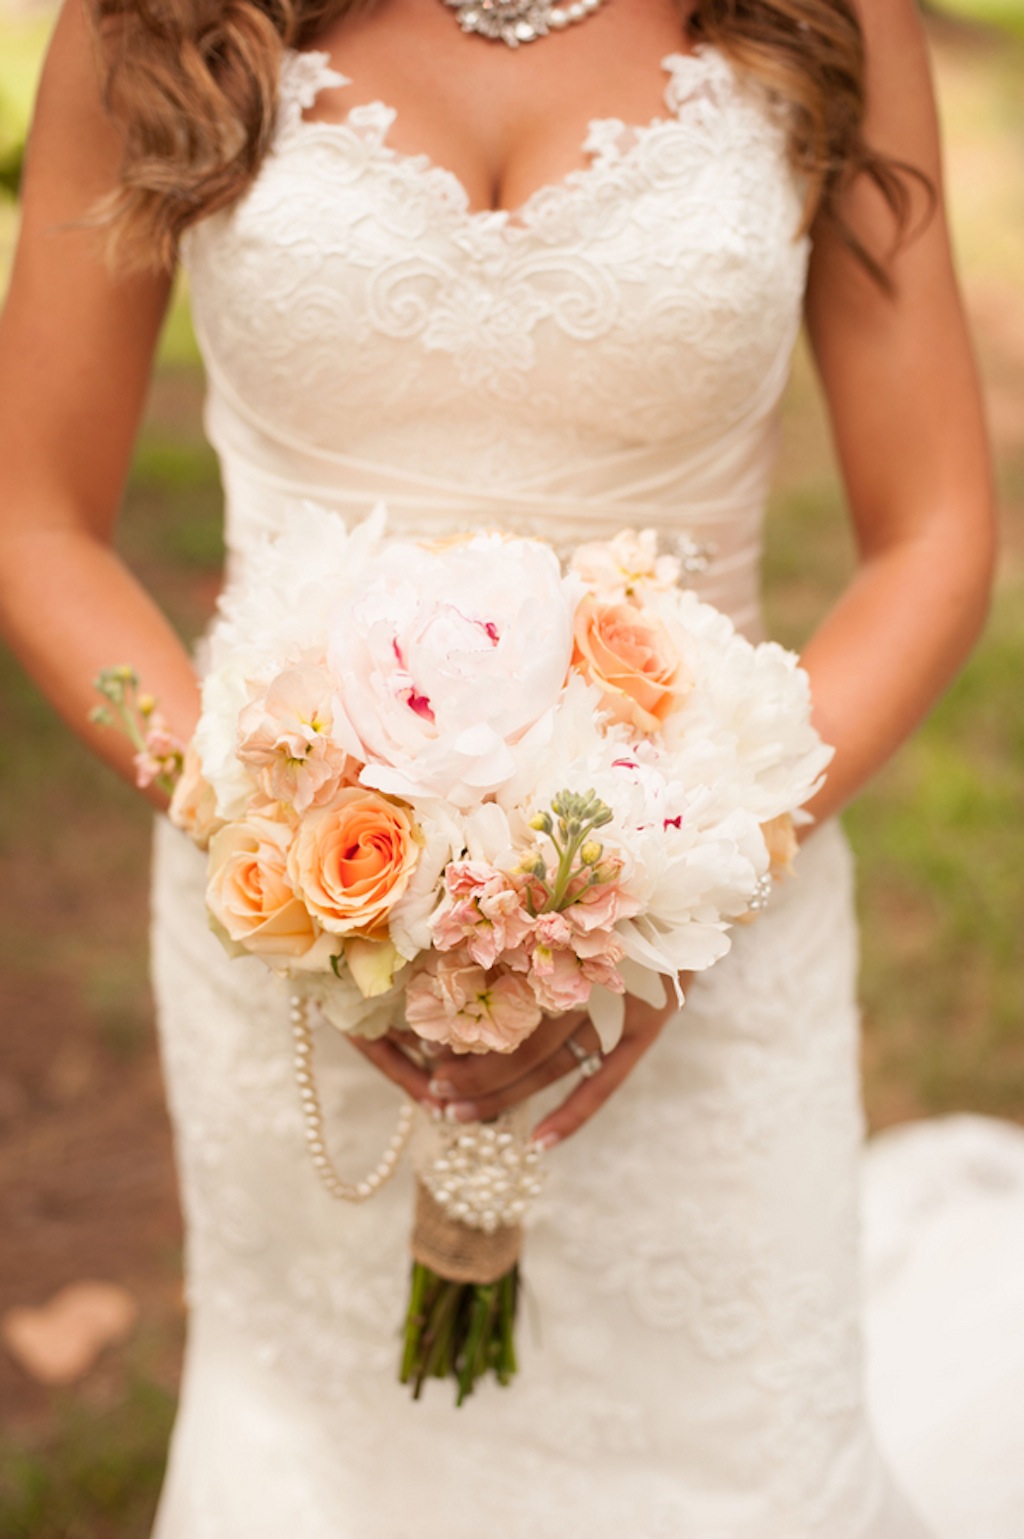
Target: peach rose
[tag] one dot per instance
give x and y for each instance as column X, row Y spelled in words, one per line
column 780, row 837
column 250, row 896
column 351, row 861
column 631, row 658
column 193, row 806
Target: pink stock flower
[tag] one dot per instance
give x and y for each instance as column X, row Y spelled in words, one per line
column 485, row 911
column 469, row 1008
column 557, row 980
column 286, row 734
column 566, row 962
column 163, row 754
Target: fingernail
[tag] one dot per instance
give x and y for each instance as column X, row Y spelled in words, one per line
column 441, row 1087
column 430, row 1049
column 545, row 1141
column 461, row 1111
column 433, row 1112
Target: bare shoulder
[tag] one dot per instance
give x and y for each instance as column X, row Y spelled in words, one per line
column 76, row 339
column 74, row 148
column 901, row 118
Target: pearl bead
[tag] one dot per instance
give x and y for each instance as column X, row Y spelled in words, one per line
column 575, row 12
column 558, row 19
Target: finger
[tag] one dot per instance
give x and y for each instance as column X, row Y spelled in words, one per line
column 590, row 1094
column 555, row 1066
column 401, row 1070
column 473, row 1076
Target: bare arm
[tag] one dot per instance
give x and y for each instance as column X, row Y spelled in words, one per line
column 76, row 349
column 907, row 419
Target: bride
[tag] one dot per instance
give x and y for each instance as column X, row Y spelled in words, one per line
column 431, row 268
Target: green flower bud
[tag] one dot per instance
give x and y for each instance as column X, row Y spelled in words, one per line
column 533, row 865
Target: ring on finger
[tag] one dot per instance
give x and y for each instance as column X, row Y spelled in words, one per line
column 588, row 1063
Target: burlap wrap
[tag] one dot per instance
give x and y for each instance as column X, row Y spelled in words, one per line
column 456, row 1251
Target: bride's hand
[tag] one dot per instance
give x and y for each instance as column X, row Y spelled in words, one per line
column 477, row 1087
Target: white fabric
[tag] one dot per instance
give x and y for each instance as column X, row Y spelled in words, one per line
column 612, row 353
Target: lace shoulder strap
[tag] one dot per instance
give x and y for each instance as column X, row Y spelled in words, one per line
column 304, row 74
column 706, row 83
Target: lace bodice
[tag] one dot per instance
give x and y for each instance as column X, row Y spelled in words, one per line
column 614, row 349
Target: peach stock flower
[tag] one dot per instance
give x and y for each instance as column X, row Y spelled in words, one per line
column 249, row 893
column 614, row 569
column 631, row 658
column 484, row 910
column 351, row 862
column 469, row 1008
column 286, row 735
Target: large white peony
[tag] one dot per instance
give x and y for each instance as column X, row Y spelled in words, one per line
column 444, row 658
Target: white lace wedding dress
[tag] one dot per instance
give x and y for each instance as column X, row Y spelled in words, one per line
column 611, row 354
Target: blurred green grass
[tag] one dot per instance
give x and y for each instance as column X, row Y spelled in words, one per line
column 939, row 836
column 97, row 1477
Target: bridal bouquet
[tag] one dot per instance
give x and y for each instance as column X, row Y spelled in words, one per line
column 450, row 789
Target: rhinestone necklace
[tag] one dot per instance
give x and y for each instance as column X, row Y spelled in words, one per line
column 519, row 21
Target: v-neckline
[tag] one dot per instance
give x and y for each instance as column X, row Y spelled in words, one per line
column 372, row 121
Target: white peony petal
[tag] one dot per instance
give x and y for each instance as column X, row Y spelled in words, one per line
column 645, row 984
column 608, row 1014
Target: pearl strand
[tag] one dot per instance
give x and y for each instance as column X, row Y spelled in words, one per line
column 313, row 1120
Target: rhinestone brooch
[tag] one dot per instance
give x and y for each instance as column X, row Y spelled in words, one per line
column 519, row 21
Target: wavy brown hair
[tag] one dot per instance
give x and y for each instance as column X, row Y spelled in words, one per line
column 192, row 86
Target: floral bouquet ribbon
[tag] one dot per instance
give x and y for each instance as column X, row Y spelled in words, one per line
column 451, row 789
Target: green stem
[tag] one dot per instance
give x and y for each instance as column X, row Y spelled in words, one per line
column 481, row 1315
column 458, row 1330
column 436, row 1336
column 414, row 1319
